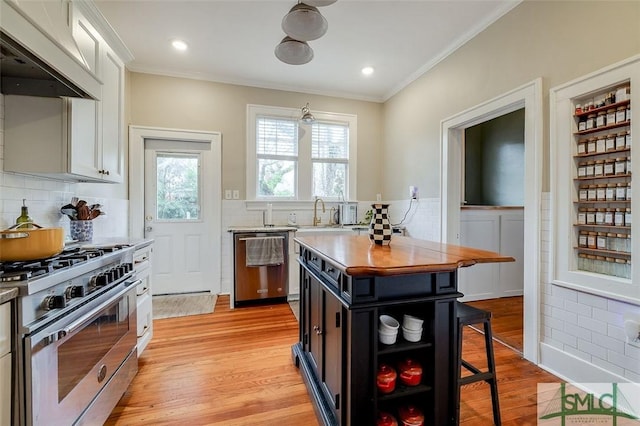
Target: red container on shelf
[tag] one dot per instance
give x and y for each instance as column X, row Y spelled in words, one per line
column 386, row 378
column 410, row 372
column 386, row 419
column 411, row 415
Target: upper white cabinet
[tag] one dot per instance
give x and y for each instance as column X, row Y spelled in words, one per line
column 592, row 120
column 83, row 139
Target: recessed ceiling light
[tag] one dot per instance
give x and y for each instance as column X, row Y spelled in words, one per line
column 367, row 70
column 179, row 45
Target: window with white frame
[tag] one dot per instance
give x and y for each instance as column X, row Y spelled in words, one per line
column 289, row 160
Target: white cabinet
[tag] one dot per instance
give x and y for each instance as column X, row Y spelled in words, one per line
column 593, row 239
column 5, row 364
column 142, row 266
column 499, row 230
column 112, row 113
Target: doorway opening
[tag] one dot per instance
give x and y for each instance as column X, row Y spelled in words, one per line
column 529, row 98
column 174, row 198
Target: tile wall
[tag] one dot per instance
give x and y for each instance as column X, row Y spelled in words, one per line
column 582, row 325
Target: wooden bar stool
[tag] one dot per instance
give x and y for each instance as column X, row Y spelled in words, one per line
column 469, row 315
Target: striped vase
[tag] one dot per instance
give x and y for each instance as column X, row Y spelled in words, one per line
column 380, row 228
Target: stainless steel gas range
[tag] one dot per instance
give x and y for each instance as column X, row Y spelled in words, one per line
column 75, row 334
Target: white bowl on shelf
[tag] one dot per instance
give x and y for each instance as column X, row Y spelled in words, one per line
column 412, row 323
column 389, row 324
column 387, row 338
column 411, row 335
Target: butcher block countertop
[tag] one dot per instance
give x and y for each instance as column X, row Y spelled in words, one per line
column 356, row 255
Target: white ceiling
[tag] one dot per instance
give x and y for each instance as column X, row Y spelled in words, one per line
column 232, row 41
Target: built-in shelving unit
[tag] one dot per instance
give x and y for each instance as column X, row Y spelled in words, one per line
column 592, row 121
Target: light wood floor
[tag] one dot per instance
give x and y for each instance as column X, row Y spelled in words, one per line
column 233, row 367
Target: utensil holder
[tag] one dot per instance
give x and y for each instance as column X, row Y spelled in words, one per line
column 81, row 230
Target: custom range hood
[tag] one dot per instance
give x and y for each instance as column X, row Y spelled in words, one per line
column 23, row 73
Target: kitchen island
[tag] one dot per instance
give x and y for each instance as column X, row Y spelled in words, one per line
column 346, row 283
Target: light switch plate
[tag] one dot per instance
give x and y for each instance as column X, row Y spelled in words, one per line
column 236, row 194
column 227, row 194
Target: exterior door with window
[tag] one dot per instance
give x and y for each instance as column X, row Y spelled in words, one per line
column 178, row 199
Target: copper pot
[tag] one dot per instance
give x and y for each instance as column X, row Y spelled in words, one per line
column 30, row 243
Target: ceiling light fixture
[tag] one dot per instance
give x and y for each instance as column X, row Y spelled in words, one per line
column 294, row 52
column 367, row 70
column 179, row 45
column 319, row 3
column 304, row 23
column 306, row 117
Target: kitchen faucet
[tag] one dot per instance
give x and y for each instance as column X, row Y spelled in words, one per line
column 316, row 219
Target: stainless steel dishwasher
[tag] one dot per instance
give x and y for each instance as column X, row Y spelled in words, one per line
column 261, row 274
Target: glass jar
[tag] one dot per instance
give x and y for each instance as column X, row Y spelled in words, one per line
column 582, row 261
column 600, row 216
column 628, row 191
column 608, row 217
column 582, row 169
column 601, row 241
column 610, row 263
column 601, row 119
column 621, row 114
column 620, row 242
column 598, row 168
column 611, row 241
column 629, row 112
column 611, row 116
column 609, row 167
column 601, row 192
column 628, row 166
column 618, row 218
column 627, row 217
column 610, row 142
column 582, row 216
column 582, row 239
column 582, row 124
column 582, row 192
column 620, row 268
column 589, row 169
column 592, row 239
column 592, row 192
column 627, row 139
column 578, row 109
column 591, row 216
column 601, row 146
column 591, row 121
column 621, row 165
column 621, row 142
column 600, row 265
column 582, row 146
column 610, row 193
column 621, row 191
column 591, row 146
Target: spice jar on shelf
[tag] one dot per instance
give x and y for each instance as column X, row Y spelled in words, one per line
column 618, row 218
column 628, row 191
column 621, row 114
column 621, row 165
column 601, row 146
column 590, row 168
column 611, row 241
column 611, row 116
column 591, row 216
column 591, row 121
column 582, row 146
column 621, row 140
column 598, row 168
column 600, row 216
column 591, row 146
column 582, row 239
column 601, row 241
column 582, row 124
column 621, row 191
column 582, row 216
column 591, row 239
column 627, row 139
column 592, row 192
column 582, row 169
column 608, row 217
column 583, row 192
column 609, row 167
column 601, row 192
column 610, row 193
column 601, row 119
column 609, row 143
column 627, row 217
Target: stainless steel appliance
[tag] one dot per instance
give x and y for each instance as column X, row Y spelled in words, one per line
column 75, row 334
column 348, row 213
column 265, row 277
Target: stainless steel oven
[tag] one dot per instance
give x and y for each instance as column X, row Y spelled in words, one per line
column 74, row 358
column 75, row 335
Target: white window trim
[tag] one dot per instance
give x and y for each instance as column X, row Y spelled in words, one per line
column 304, row 150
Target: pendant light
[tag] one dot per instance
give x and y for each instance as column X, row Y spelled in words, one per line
column 319, row 3
column 304, row 23
column 294, row 52
column 306, row 117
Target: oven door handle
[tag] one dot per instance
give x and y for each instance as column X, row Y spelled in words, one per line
column 71, row 328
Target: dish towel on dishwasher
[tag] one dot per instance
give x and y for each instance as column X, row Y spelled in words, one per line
column 264, row 251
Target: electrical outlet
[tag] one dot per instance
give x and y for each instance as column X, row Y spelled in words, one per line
column 632, row 328
column 413, row 192
column 227, row 194
column 236, row 194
